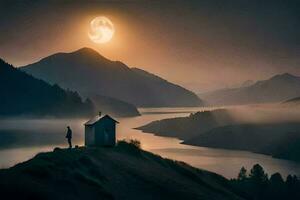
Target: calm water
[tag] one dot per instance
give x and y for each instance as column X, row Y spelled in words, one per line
column 44, row 135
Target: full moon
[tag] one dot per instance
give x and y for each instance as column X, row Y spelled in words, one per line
column 101, row 30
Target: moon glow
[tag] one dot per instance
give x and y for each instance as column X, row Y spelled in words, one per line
column 101, row 30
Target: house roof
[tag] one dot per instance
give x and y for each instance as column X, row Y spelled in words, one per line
column 99, row 118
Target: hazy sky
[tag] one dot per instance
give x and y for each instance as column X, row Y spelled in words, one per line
column 201, row 45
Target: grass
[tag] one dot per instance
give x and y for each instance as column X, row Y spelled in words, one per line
column 121, row 172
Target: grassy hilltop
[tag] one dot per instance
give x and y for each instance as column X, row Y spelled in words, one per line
column 122, row 172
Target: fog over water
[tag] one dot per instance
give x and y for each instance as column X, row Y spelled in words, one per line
column 265, row 113
column 21, row 139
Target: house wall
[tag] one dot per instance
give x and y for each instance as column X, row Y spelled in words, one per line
column 105, row 133
column 99, row 139
column 89, row 136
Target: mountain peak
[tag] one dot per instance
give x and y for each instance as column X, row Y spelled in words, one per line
column 284, row 76
column 2, row 61
column 86, row 50
column 293, row 100
column 90, row 74
column 87, row 53
column 247, row 83
column 287, row 75
column 4, row 64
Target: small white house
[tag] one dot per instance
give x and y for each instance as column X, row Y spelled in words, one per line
column 100, row 131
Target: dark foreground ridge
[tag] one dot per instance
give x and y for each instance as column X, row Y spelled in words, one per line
column 123, row 172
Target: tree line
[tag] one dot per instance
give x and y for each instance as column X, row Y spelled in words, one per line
column 22, row 94
column 258, row 185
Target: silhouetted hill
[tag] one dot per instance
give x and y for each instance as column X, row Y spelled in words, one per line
column 222, row 129
column 91, row 74
column 247, row 83
column 114, row 107
column 123, row 172
column 292, row 102
column 22, row 94
column 276, row 89
column 188, row 127
column 281, row 140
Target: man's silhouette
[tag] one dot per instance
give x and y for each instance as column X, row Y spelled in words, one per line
column 69, row 136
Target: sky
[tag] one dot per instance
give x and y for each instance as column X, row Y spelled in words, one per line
column 201, row 45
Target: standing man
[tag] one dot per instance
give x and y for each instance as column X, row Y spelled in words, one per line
column 69, row 136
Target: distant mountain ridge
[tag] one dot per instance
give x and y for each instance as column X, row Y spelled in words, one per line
column 89, row 73
column 295, row 102
column 247, row 83
column 114, row 107
column 276, row 89
column 22, row 94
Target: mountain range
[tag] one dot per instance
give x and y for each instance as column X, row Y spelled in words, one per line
column 276, row 89
column 22, row 94
column 89, row 73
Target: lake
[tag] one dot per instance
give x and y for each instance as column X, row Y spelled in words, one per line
column 24, row 138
